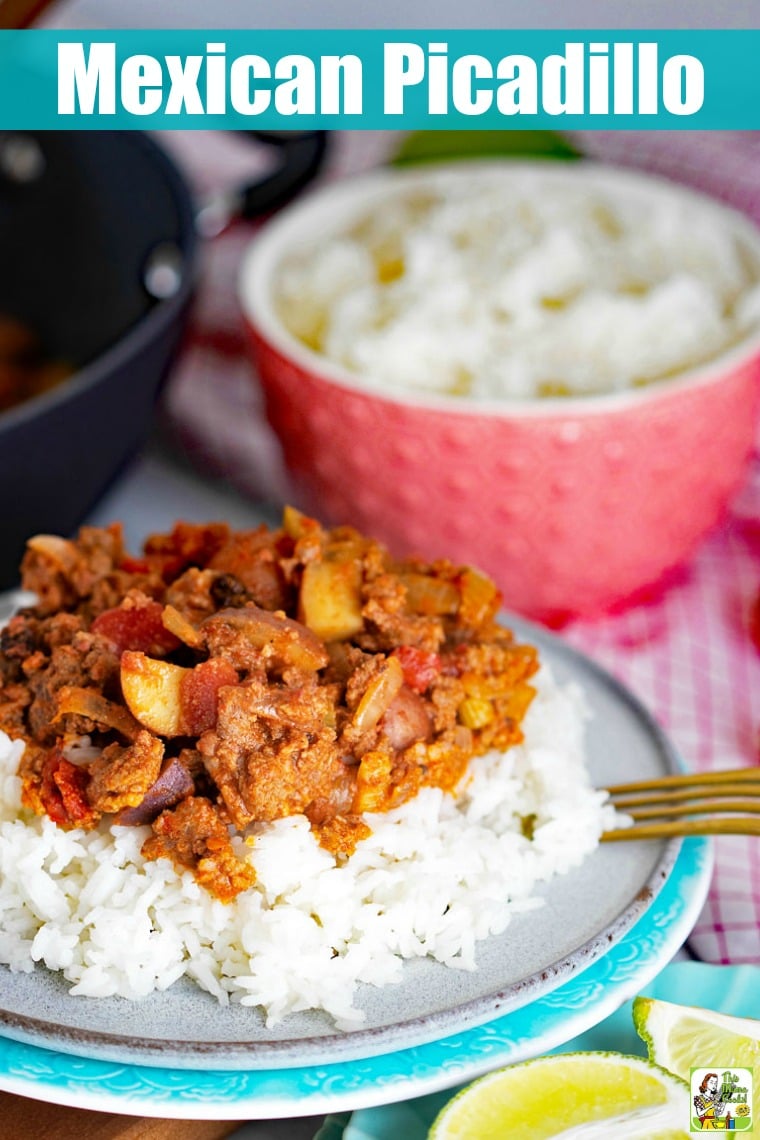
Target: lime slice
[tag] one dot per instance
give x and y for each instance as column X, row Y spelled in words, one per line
column 683, row 1037
column 437, row 146
column 571, row 1095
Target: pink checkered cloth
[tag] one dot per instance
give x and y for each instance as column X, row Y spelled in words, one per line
column 691, row 659
column 688, row 653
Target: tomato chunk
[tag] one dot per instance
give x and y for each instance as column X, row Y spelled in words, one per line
column 188, row 544
column 420, row 666
column 132, row 565
column 137, row 626
column 199, row 692
column 64, row 792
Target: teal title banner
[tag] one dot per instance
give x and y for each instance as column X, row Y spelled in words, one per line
column 368, row 80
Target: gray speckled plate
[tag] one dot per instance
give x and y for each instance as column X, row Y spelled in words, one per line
column 586, row 912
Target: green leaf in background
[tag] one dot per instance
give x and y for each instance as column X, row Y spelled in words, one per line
column 433, row 146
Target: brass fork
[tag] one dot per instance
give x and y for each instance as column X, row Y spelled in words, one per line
column 708, row 803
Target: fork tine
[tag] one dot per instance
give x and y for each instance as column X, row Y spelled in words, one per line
column 688, row 780
column 626, row 800
column 698, row 808
column 736, row 825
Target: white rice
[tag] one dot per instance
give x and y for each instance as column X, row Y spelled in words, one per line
column 503, row 286
column 434, row 877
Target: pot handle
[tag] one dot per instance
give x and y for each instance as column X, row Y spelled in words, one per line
column 302, row 154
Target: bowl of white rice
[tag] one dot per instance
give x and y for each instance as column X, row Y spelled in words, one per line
column 549, row 370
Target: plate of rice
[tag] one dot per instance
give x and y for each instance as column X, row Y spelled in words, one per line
column 449, row 878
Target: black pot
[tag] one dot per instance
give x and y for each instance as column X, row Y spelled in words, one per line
column 98, row 248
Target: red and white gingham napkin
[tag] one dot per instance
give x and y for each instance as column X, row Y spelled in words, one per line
column 687, row 653
column 690, row 657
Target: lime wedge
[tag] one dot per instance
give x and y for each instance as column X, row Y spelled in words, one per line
column 438, row 146
column 682, row 1038
column 592, row 1096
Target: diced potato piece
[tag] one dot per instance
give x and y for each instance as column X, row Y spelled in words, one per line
column 152, row 690
column 297, row 525
column 372, row 782
column 519, row 702
column 480, row 598
column 488, row 688
column 330, row 599
column 430, row 596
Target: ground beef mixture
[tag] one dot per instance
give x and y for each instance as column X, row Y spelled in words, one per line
column 226, row 678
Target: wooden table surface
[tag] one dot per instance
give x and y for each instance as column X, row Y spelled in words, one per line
column 22, row 1119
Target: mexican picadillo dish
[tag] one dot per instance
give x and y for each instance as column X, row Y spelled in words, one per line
column 276, row 761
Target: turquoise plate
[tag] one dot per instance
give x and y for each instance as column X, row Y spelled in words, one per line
column 583, row 1001
column 733, row 990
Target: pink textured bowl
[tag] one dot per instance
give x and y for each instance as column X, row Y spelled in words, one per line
column 574, row 505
